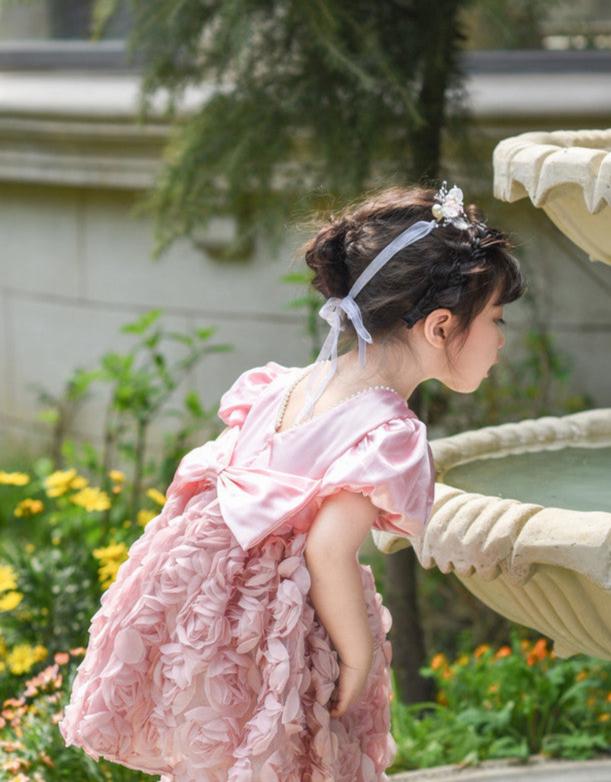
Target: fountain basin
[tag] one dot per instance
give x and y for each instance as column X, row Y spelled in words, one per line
column 546, row 567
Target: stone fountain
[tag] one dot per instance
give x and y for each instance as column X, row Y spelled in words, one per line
column 522, row 511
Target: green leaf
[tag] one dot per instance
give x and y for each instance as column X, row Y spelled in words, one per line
column 206, row 333
column 177, row 336
column 140, row 325
column 296, row 277
column 193, row 404
column 48, row 416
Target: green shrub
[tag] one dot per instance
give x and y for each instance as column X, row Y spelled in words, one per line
column 518, row 701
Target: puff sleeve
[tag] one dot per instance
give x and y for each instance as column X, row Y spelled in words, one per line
column 392, row 465
column 236, row 402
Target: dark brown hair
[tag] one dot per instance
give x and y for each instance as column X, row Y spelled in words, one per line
column 458, row 269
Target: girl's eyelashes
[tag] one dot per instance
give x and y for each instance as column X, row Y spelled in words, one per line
column 501, row 321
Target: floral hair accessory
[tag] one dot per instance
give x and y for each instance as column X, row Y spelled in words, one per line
column 449, row 208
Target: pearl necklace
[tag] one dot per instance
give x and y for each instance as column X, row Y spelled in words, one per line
column 287, row 396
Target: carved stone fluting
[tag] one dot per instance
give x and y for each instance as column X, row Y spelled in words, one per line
column 568, row 174
column 544, row 567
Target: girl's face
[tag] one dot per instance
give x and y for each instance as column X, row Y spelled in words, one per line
column 471, row 364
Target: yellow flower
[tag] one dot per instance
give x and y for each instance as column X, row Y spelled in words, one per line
column 116, row 476
column 10, row 600
column 438, row 661
column 58, row 482
column 29, row 507
column 79, row 482
column 603, row 718
column 30, row 548
column 8, row 578
column 113, row 551
column 22, row 657
column 144, row 516
column 107, row 572
column 463, row 659
column 156, row 496
column 14, row 478
column 110, row 558
column 91, row 499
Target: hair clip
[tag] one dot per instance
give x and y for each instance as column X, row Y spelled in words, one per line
column 448, row 208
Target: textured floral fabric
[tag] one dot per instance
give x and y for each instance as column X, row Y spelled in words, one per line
column 206, row 660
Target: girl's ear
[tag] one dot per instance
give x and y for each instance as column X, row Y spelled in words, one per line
column 437, row 326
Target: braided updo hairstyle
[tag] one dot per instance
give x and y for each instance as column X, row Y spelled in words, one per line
column 457, row 269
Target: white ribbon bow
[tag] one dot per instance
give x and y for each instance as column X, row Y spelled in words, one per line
column 333, row 311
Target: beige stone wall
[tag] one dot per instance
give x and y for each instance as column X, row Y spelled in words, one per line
column 76, row 266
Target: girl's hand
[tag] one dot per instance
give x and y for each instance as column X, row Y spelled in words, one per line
column 350, row 685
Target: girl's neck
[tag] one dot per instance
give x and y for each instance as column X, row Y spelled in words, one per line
column 350, row 377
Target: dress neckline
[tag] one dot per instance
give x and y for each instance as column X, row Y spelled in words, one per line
column 284, row 398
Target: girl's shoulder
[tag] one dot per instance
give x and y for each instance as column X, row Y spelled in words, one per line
column 392, row 464
column 237, row 400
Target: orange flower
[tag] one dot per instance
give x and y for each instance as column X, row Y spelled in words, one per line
column 504, row 651
column 538, row 652
column 447, row 674
column 438, row 661
column 481, row 649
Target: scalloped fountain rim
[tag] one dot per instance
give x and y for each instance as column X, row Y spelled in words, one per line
column 536, row 163
column 478, row 533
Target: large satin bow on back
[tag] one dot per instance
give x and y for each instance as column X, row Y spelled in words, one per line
column 253, row 500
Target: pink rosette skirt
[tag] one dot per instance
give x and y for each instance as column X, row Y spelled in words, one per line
column 207, row 663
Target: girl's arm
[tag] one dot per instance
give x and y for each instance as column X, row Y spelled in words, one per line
column 331, row 555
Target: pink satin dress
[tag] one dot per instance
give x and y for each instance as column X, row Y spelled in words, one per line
column 206, row 660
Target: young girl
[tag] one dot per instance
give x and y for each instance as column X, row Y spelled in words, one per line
column 242, row 641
